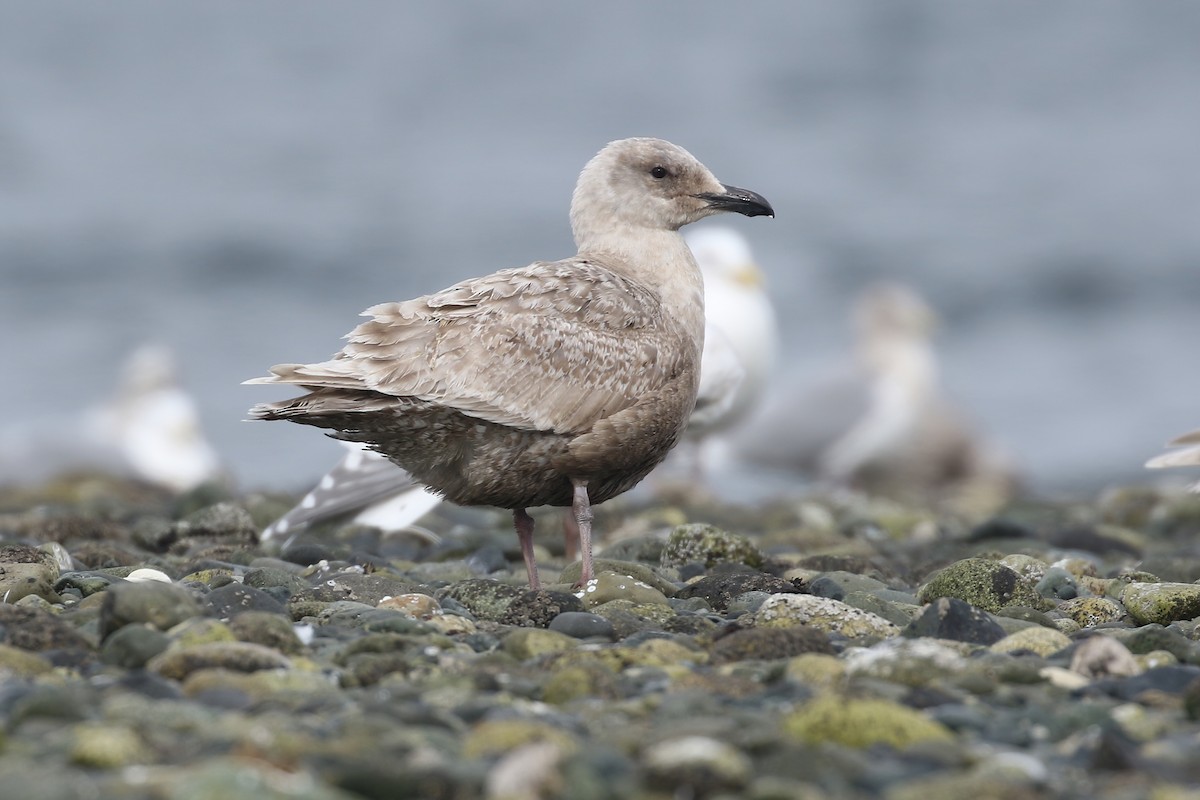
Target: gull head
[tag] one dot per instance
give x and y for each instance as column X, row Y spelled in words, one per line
column 892, row 312
column 652, row 184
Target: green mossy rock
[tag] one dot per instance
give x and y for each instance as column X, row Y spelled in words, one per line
column 985, row 584
column 1161, row 602
column 708, row 545
column 862, row 723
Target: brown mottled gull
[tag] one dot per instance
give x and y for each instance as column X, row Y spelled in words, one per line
column 561, row 383
column 1185, row 454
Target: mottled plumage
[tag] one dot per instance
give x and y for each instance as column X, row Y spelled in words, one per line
column 560, row 383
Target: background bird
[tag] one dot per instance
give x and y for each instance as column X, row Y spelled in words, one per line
column 149, row 429
column 883, row 424
column 738, row 308
column 1185, row 454
column 561, row 383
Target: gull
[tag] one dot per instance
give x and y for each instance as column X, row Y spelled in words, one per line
column 155, row 424
column 741, row 339
column 884, row 426
column 1185, row 454
column 149, row 430
column 561, row 383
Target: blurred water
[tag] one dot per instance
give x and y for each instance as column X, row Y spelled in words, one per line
column 240, row 180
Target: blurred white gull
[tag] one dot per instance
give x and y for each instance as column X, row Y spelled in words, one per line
column 739, row 352
column 150, row 430
column 883, row 426
column 1185, row 454
column 741, row 334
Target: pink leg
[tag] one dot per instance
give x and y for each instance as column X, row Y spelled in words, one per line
column 524, row 525
column 570, row 536
column 582, row 510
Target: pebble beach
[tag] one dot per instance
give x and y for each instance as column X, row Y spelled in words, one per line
column 819, row 646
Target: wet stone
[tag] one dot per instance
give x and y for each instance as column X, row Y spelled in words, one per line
column 538, row 608
column 862, row 723
column 37, row 630
column 640, row 572
column 746, row 603
column 770, row 643
column 720, row 590
column 907, row 662
column 608, row 586
column 26, row 570
column 697, row 765
column 527, row 643
column 1057, row 583
column 837, row 584
column 485, row 599
column 721, row 686
column 132, row 646
column 1161, row 602
column 106, row 746
column 582, row 625
column 161, row 605
column 1149, row 638
column 1092, row 611
column 415, row 604
column 85, row 583
column 1103, row 540
column 831, row 616
column 270, row 630
column 986, row 584
column 306, row 552
column 644, row 549
column 1043, row 641
column 236, row 656
column 234, row 598
column 897, row 613
column 220, row 521
column 22, row 663
column 708, row 545
column 951, row 618
column 1100, row 656
column 1172, row 680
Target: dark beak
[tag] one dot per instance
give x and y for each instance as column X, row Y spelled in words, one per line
column 743, row 201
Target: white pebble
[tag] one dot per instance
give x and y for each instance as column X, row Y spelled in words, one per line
column 144, row 574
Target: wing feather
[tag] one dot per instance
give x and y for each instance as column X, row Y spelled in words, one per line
column 544, row 347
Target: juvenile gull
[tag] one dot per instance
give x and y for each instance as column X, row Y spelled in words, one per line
column 733, row 373
column 740, row 341
column 561, row 383
column 1185, row 454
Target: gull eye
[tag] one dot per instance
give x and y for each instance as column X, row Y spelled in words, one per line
column 659, row 172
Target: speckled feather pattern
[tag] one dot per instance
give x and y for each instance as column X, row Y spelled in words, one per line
column 497, row 389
